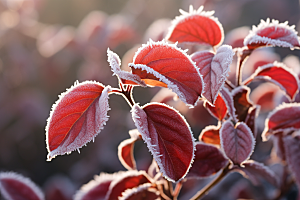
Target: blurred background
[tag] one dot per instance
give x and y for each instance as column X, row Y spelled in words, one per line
column 46, row 45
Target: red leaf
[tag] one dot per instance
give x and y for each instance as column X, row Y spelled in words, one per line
column 198, row 27
column 76, row 118
column 208, row 161
column 210, row 135
column 219, row 110
column 228, row 99
column 238, row 142
column 142, row 192
column 168, row 137
column 292, row 148
column 214, row 68
column 280, row 75
column 124, row 76
column 272, row 34
column 124, row 181
column 97, row 188
column 14, row 186
column 242, row 103
column 284, row 117
column 264, row 95
column 165, row 65
column 250, row 119
column 125, row 150
column 254, row 171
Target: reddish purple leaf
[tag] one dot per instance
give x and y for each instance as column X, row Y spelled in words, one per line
column 14, row 186
column 292, row 148
column 77, row 117
column 238, row 142
column 97, row 188
column 142, row 192
column 280, row 75
column 241, row 100
column 166, row 65
column 284, row 117
column 228, row 99
column 208, row 161
column 125, row 150
column 196, row 26
column 210, row 135
column 168, row 137
column 250, row 118
column 254, row 171
column 219, row 110
column 272, row 34
column 214, row 68
column 124, row 181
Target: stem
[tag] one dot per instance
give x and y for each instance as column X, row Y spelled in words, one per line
column 242, row 55
column 206, row 189
column 177, row 190
column 126, row 93
column 229, row 84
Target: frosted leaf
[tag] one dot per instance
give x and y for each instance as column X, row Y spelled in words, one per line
column 286, row 117
column 196, row 26
column 166, row 65
column 254, row 171
column 143, row 192
column 13, row 186
column 168, row 137
column 124, row 181
column 208, row 161
column 77, row 117
column 237, row 141
column 214, row 68
column 97, row 188
column 272, row 34
column 280, row 75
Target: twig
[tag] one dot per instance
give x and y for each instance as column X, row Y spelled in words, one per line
column 206, row 189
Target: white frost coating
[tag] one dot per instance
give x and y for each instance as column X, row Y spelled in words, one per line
column 98, row 179
column 19, row 178
column 102, row 107
column 184, row 15
column 140, row 119
column 290, row 34
column 220, row 65
column 146, row 186
column 265, row 136
column 255, row 76
column 115, row 63
column 162, row 78
column 120, row 176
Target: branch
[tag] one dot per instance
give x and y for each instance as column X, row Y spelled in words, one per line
column 206, row 189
